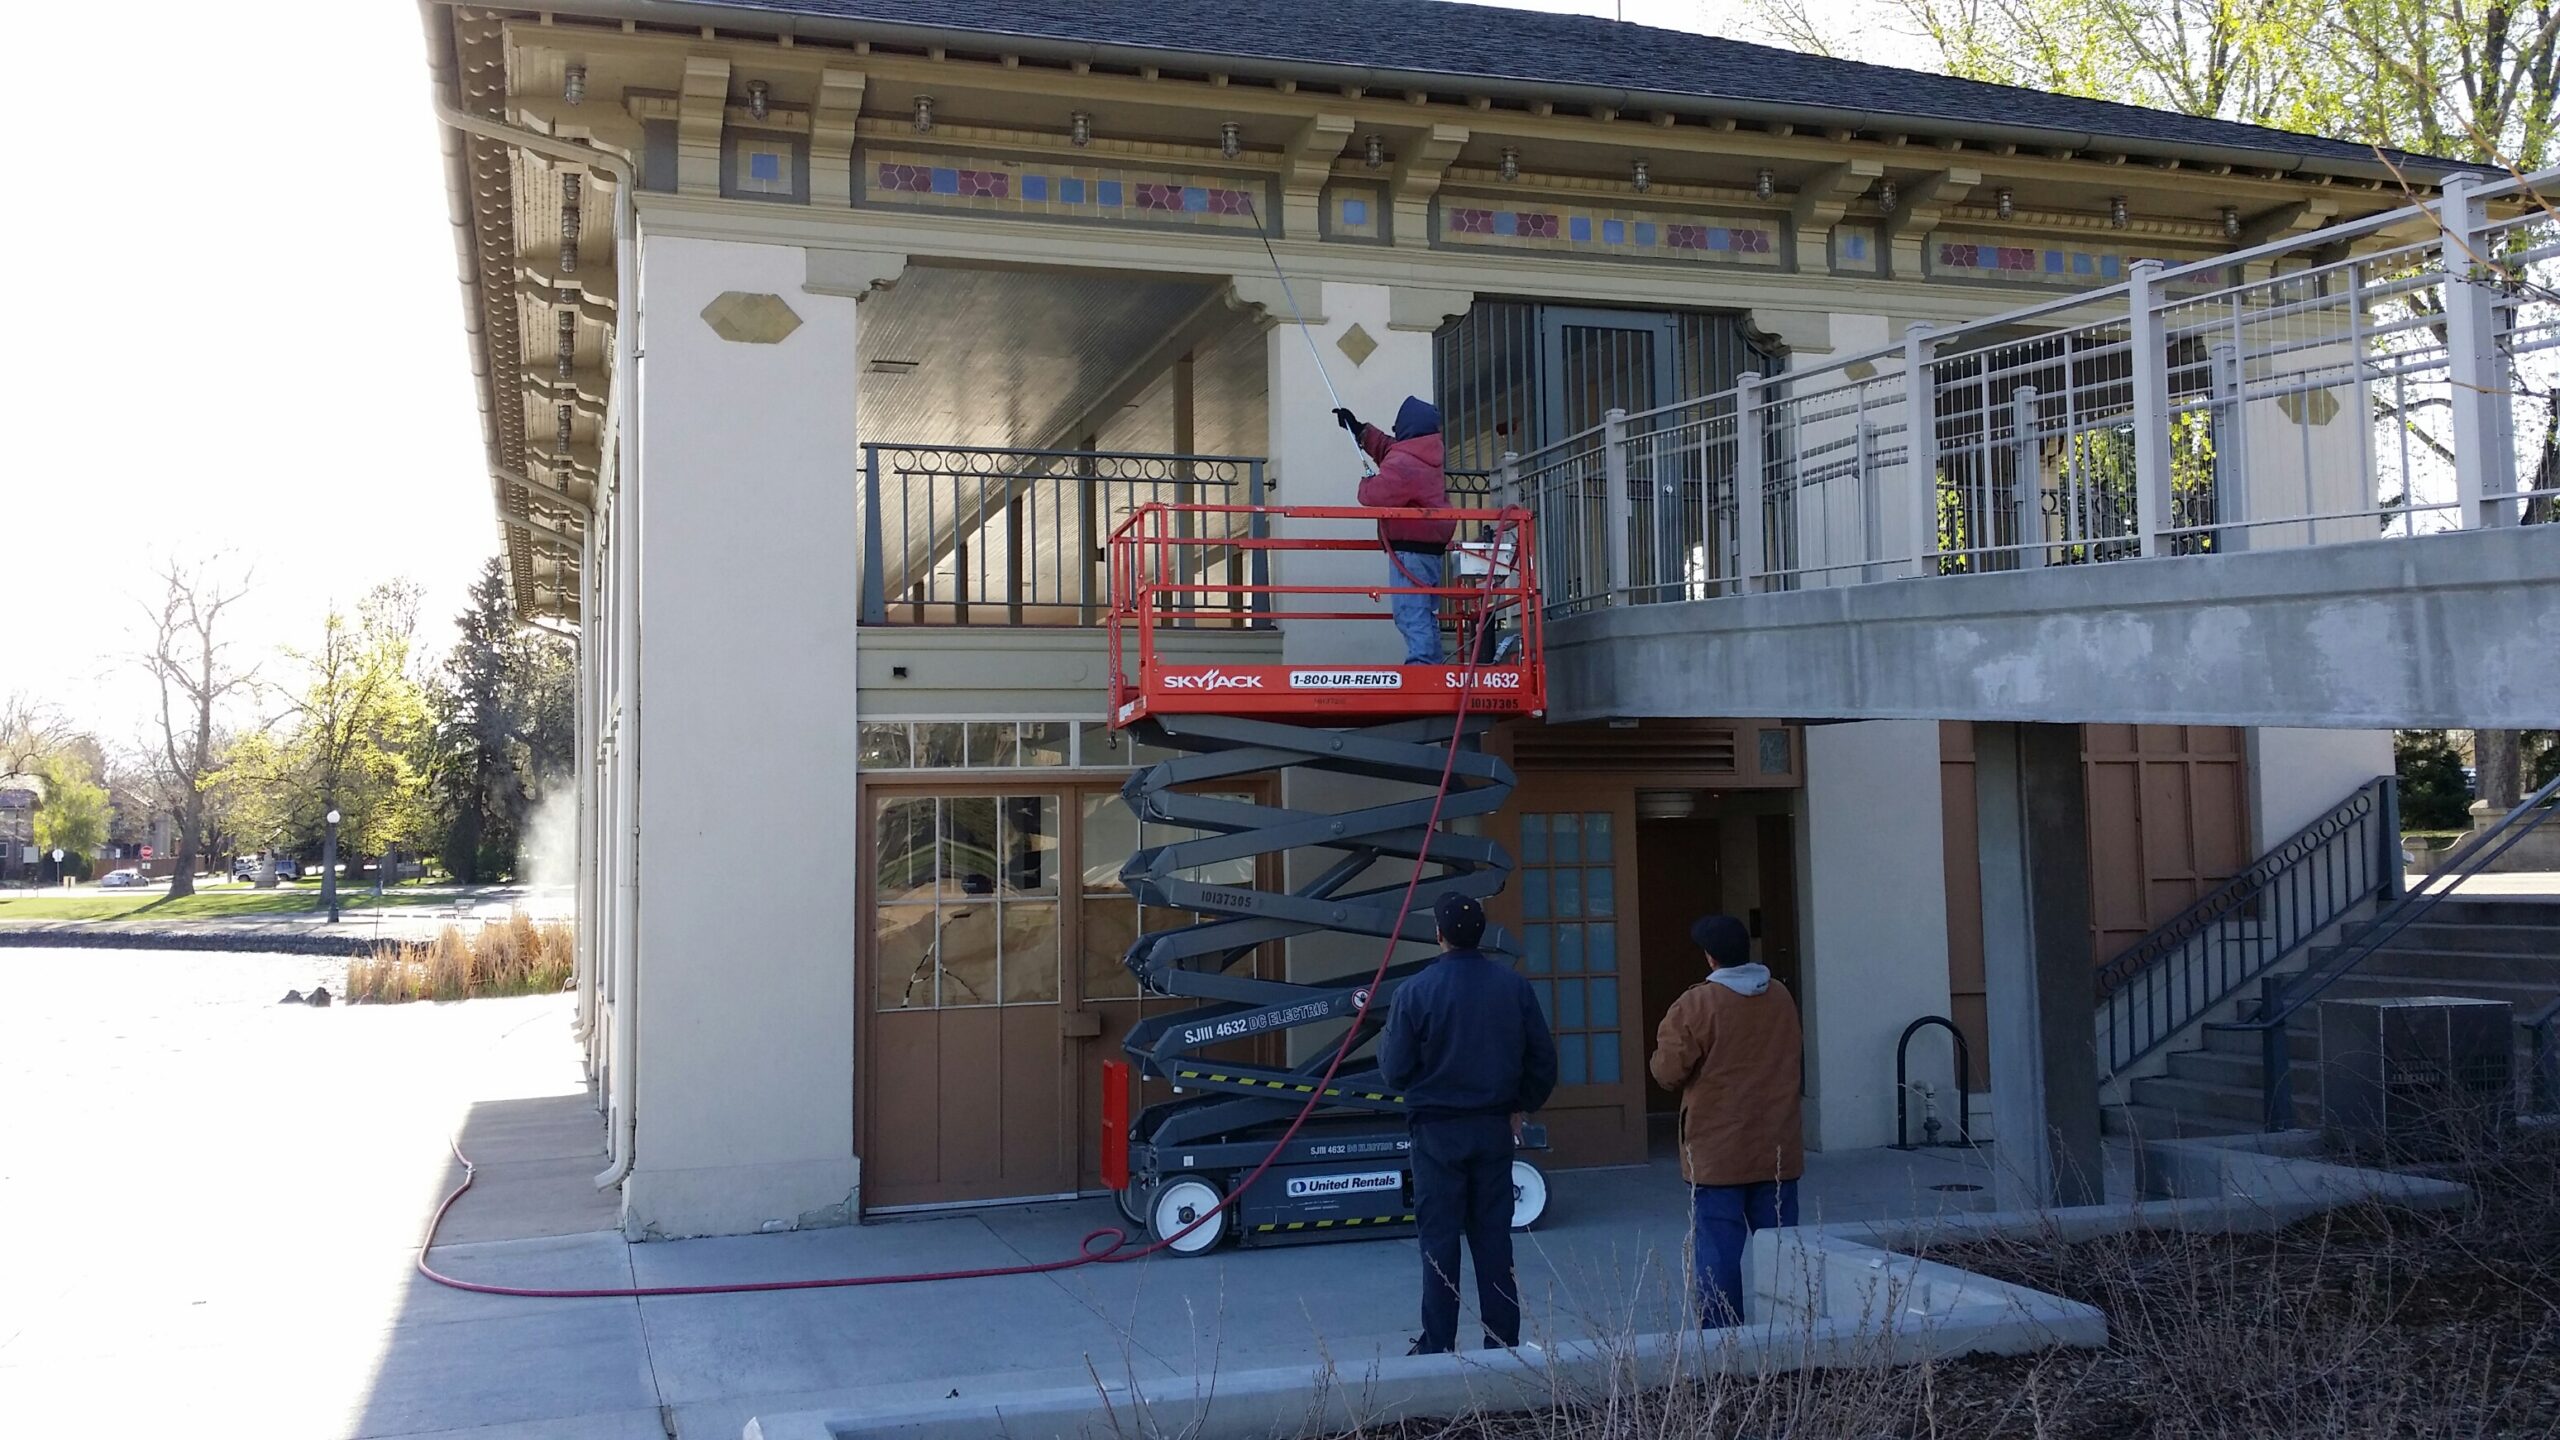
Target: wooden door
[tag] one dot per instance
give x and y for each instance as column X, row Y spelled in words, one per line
column 968, row 1086
column 1573, row 904
column 1680, row 867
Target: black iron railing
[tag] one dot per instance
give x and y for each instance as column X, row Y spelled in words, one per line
column 2249, row 924
column 2284, row 996
column 971, row 535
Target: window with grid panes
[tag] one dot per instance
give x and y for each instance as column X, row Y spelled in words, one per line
column 1569, row 937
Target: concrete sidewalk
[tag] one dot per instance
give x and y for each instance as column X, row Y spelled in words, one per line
column 225, row 1197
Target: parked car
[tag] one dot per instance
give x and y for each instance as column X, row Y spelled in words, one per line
column 120, row 878
column 245, row 867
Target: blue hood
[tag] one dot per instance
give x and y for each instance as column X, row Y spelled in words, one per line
column 1418, row 417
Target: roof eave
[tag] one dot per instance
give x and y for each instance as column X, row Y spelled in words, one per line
column 792, row 22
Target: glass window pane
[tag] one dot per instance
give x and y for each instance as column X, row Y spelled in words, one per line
column 1568, row 892
column 991, row 743
column 1031, row 844
column 902, row 957
column 1604, row 1004
column 938, row 747
column 970, row 838
column 884, row 747
column 1573, row 1064
column 1533, row 895
column 1110, row 834
column 969, row 953
column 1545, row 990
column 1110, row 927
column 1569, row 1010
column 1602, row 953
column 1031, row 952
column 904, row 849
column 1604, row 1060
column 1533, row 839
column 1537, row 948
column 1595, row 837
column 1044, row 742
column 1600, row 886
column 1568, row 838
column 1569, row 950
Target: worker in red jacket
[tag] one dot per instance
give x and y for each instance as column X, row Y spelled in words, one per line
column 1411, row 476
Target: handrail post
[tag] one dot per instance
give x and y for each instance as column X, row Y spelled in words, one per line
column 875, row 598
column 2230, row 443
column 2150, row 355
column 1617, row 506
column 1507, row 482
column 1750, row 485
column 1259, row 528
column 2026, row 490
column 2275, row 1057
column 2395, row 867
column 2481, row 453
column 1920, row 448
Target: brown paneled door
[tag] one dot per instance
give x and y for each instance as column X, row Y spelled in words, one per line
column 1572, row 904
column 968, row 1094
column 996, row 988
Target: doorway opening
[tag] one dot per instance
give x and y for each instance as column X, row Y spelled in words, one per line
column 1700, row 852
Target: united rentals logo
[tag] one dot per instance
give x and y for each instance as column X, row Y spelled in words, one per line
column 1213, row 680
column 1309, row 1186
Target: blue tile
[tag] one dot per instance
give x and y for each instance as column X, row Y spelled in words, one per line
column 1613, row 232
column 946, row 181
column 1644, row 232
column 1581, row 229
column 2109, row 266
column 2080, row 263
column 1195, row 199
column 1107, row 193
column 764, row 165
column 1719, row 238
column 1506, row 222
column 1035, row 187
column 1355, row 212
column 1856, row 249
column 2053, row 262
column 1071, row 191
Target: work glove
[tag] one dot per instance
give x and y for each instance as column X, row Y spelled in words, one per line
column 1344, row 418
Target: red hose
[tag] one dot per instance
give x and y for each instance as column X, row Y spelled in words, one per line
column 1111, row 1251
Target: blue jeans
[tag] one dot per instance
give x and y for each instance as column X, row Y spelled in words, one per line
column 1417, row 616
column 1724, row 1218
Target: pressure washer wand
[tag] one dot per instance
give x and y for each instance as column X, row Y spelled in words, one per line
column 1304, row 331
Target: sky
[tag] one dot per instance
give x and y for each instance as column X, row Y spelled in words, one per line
column 249, row 353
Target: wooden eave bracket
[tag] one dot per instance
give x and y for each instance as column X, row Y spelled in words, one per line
column 701, row 106
column 1925, row 201
column 1821, row 202
column 1416, row 179
column 1305, row 166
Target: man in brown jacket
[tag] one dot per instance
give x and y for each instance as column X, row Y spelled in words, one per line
column 1733, row 1048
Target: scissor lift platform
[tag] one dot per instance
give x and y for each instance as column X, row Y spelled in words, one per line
column 1345, row 1173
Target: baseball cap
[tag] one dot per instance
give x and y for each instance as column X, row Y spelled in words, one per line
column 1461, row 920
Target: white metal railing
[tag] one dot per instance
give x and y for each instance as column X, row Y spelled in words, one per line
column 2394, row 376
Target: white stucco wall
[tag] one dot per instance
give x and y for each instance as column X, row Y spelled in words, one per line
column 2296, row 775
column 1875, row 920
column 748, row 602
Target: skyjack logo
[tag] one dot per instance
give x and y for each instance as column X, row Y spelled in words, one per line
column 1213, row 680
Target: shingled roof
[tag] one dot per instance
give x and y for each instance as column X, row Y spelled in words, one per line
column 1578, row 58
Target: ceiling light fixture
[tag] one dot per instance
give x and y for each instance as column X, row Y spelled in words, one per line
column 1231, row 139
column 2005, row 203
column 1373, row 151
column 1765, row 185
column 1080, row 128
column 1888, row 196
column 2117, row 214
column 1643, row 179
column 1510, row 162
column 2231, row 222
column 573, row 86
column 757, row 98
column 924, row 114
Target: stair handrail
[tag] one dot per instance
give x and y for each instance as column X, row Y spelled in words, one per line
column 2285, row 996
column 2128, row 1042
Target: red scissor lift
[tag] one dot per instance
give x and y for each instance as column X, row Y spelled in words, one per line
column 1195, row 571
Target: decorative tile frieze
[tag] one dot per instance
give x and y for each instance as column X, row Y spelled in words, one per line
column 1355, row 212
column 1857, row 250
column 1039, row 189
column 1609, row 231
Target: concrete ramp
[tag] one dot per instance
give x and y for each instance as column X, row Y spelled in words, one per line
column 2459, row 629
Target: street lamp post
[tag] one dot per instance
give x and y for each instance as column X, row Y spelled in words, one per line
column 329, row 867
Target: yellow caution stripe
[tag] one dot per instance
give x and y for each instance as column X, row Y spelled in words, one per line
column 1296, row 1225
column 1250, row 1082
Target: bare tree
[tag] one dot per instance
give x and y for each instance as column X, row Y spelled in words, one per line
column 188, row 660
column 29, row 731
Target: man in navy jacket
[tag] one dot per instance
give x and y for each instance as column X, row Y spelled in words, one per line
column 1468, row 1046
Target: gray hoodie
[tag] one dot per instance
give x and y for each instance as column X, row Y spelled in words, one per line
column 1751, row 979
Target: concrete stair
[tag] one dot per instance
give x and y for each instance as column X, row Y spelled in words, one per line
column 2481, row 949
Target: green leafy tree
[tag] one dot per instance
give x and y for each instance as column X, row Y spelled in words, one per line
column 2433, row 793
column 354, row 737
column 72, row 816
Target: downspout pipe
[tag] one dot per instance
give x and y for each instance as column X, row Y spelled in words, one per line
column 626, row 257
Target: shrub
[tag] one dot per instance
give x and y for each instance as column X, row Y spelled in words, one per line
column 515, row 956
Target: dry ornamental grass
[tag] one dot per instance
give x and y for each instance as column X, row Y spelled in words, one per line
column 515, row 956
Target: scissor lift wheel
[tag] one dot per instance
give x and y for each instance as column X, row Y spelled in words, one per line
column 1528, row 1195
column 1179, row 1204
